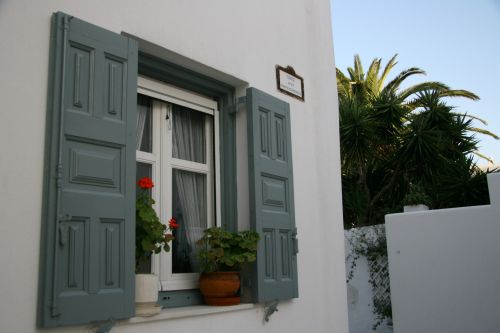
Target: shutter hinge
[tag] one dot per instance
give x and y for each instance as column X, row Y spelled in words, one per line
column 235, row 107
column 59, row 175
column 295, row 241
column 269, row 309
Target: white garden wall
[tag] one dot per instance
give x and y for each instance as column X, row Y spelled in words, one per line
column 235, row 41
column 359, row 290
column 444, row 269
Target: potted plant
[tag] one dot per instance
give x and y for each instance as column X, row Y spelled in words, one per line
column 416, row 199
column 222, row 255
column 151, row 237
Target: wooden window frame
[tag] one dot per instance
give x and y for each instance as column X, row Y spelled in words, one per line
column 163, row 164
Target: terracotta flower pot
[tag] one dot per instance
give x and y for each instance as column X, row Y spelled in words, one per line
column 220, row 288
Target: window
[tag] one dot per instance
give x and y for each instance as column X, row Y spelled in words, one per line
column 177, row 147
column 93, row 139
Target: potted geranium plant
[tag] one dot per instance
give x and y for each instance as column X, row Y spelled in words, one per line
column 151, row 236
column 416, row 199
column 222, row 255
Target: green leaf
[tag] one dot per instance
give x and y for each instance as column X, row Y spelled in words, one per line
column 220, row 249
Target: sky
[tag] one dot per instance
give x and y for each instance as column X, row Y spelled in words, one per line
column 456, row 42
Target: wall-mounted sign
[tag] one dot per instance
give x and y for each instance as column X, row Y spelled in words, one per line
column 288, row 82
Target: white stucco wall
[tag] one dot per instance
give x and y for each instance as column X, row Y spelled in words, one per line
column 443, row 266
column 244, row 39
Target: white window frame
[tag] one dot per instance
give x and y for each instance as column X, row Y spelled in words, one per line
column 163, row 163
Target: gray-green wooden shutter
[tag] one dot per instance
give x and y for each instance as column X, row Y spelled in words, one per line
column 274, row 275
column 89, row 204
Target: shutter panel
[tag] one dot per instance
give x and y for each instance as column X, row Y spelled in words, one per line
column 274, row 276
column 89, row 217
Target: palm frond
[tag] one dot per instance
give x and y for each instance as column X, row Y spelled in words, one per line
column 484, row 122
column 388, row 67
column 343, row 83
column 358, row 68
column 352, row 74
column 393, row 85
column 484, row 157
column 458, row 93
column 403, row 95
column 484, row 132
column 340, row 75
column 372, row 76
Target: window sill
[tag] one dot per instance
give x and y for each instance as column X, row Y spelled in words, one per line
column 187, row 311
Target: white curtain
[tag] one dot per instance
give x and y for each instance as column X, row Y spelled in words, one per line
column 192, row 191
column 143, row 105
column 189, row 144
column 189, row 134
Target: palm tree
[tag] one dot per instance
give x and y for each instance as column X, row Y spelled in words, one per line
column 391, row 136
column 365, row 88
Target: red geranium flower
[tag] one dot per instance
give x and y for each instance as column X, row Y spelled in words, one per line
column 172, row 223
column 145, row 183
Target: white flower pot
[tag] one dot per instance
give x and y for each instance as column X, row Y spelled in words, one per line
column 415, row 208
column 146, row 295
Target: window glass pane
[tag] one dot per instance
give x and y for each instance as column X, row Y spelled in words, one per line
column 189, row 207
column 143, row 170
column 144, row 124
column 188, row 134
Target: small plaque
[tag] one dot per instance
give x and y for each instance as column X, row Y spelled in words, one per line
column 288, row 82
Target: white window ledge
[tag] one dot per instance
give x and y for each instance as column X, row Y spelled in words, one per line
column 186, row 311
